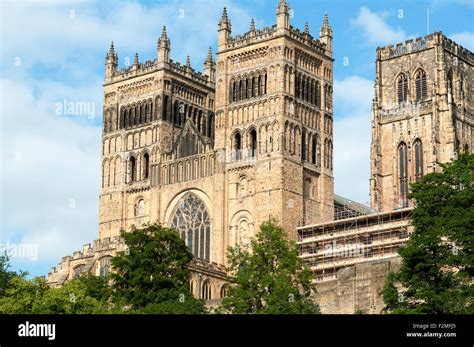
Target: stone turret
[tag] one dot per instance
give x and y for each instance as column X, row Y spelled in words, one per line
column 136, row 63
column 210, row 68
column 283, row 15
column 325, row 35
column 111, row 63
column 252, row 28
column 164, row 47
column 224, row 30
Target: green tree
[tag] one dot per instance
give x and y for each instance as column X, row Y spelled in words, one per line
column 271, row 278
column 5, row 275
column 436, row 276
column 35, row 297
column 23, row 295
column 153, row 275
column 74, row 297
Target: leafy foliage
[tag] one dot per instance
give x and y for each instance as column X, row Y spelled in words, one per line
column 436, row 276
column 35, row 296
column 6, row 276
column 153, row 276
column 271, row 279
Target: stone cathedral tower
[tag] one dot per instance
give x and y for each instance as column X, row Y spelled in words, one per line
column 274, row 124
column 422, row 114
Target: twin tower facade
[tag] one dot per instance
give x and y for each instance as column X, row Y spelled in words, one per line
column 215, row 154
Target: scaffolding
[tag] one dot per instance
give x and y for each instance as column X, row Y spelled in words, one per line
column 328, row 247
column 345, row 208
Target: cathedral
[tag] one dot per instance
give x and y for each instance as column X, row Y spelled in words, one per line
column 213, row 154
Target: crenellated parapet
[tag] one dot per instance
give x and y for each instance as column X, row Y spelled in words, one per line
column 115, row 74
column 149, row 66
column 88, row 260
column 307, row 39
column 96, row 258
column 425, row 42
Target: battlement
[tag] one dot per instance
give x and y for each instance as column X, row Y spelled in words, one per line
column 100, row 245
column 458, row 50
column 252, row 36
column 149, row 66
column 108, row 247
column 258, row 35
column 308, row 40
column 421, row 43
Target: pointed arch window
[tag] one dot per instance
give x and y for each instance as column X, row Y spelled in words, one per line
column 450, row 81
column 210, row 125
column 224, row 291
column 420, row 82
column 237, row 146
column 418, row 148
column 206, row 293
column 297, row 86
column 133, row 169
column 402, row 88
column 104, row 266
column 78, row 270
column 146, row 166
column 303, row 145
column 253, row 143
column 165, row 107
column 192, row 221
column 176, row 115
column 326, row 154
column 234, row 92
column 403, row 173
column 265, row 84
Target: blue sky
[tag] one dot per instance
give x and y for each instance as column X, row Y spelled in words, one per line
column 53, row 51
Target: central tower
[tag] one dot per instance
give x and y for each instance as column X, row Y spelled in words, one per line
column 273, row 131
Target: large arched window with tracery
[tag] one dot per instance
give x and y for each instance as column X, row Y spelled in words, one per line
column 420, row 84
column 418, row 148
column 403, row 176
column 192, row 220
column 402, row 88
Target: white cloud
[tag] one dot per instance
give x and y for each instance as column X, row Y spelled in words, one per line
column 50, row 174
column 375, row 29
column 353, row 91
column 352, row 137
column 465, row 39
column 63, row 33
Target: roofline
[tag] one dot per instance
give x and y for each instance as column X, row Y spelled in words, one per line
column 367, row 216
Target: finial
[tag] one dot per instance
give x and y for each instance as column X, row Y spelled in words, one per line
column 111, row 53
column 326, row 22
column 282, row 4
column 306, row 28
column 188, row 61
column 209, row 55
column 252, row 25
column 164, row 35
column 224, row 22
column 136, row 62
